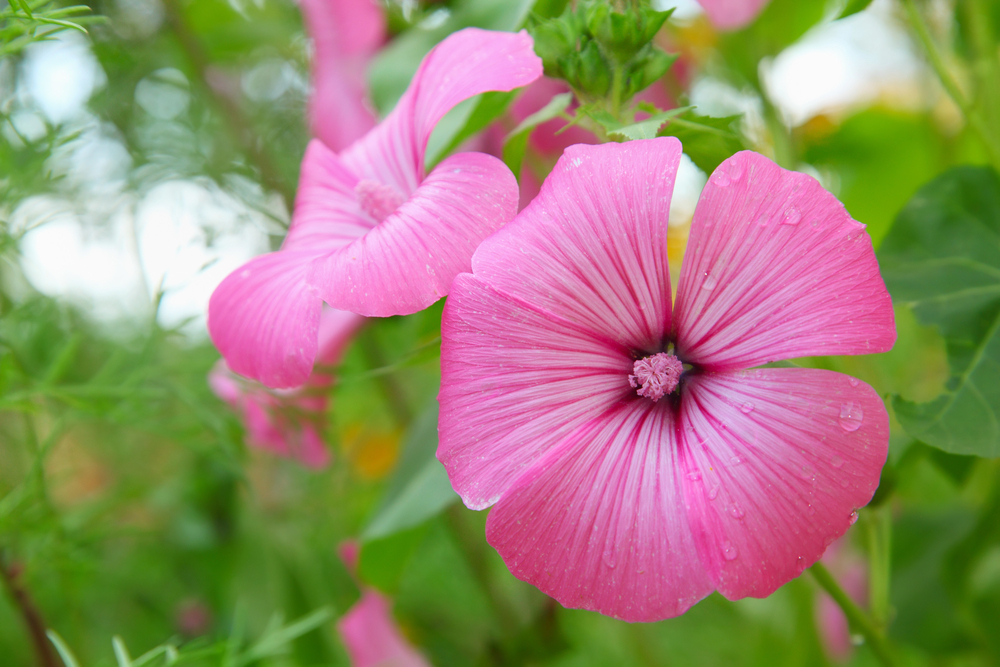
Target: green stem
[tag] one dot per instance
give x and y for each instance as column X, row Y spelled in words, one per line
column 879, row 532
column 856, row 618
column 11, row 574
column 392, row 390
column 971, row 114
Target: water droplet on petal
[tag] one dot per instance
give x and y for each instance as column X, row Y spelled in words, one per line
column 854, row 517
column 736, row 460
column 806, row 473
column 854, row 381
column 837, row 461
column 746, row 408
column 713, row 493
column 851, row 415
column 694, row 476
column 810, row 509
column 735, row 171
column 729, row 551
column 609, row 557
column 792, row 216
column 710, row 282
column 720, row 178
column 736, row 511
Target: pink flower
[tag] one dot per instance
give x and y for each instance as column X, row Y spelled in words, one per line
column 345, row 35
column 372, row 637
column 639, row 501
column 850, row 570
column 371, row 233
column 732, row 14
column 368, row 629
column 290, row 423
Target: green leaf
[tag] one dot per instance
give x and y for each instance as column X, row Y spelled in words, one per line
column 517, row 141
column 853, row 7
column 707, row 140
column 465, row 120
column 381, row 562
column 419, row 489
column 942, row 258
column 62, row 649
column 121, row 652
column 645, row 129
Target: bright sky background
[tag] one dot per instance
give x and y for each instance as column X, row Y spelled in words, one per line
column 115, row 251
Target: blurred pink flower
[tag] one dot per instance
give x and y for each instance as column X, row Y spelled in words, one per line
column 290, row 422
column 371, row 233
column 732, row 14
column 638, row 501
column 851, row 572
column 368, row 629
column 346, row 34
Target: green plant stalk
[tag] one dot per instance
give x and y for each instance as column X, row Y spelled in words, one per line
column 392, row 390
column 10, row 573
column 987, row 64
column 878, row 524
column 971, row 114
column 856, row 618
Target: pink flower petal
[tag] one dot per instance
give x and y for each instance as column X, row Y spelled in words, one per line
column 592, row 246
column 336, row 329
column 408, row 261
column 264, row 319
column 777, row 461
column 515, row 380
column 345, row 34
column 598, row 522
column 775, row 268
column 372, row 637
column 732, row 14
column 466, row 63
column 327, row 214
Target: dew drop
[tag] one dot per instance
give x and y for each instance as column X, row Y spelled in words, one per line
column 713, row 493
column 736, row 511
column 720, row 178
column 735, row 171
column 609, row 557
column 710, row 282
column 854, row 381
column 736, row 460
column 729, row 552
column 837, row 462
column 792, row 216
column 851, row 415
column 854, row 517
column 806, row 473
column 694, row 476
column 810, row 509
column 762, row 220
column 746, row 408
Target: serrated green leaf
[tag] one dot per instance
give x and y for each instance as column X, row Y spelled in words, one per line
column 707, row 140
column 942, row 258
column 645, row 129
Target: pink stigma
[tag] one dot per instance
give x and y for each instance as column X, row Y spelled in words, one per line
column 377, row 199
column 658, row 375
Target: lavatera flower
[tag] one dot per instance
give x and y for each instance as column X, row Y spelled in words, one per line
column 372, row 233
column 633, row 464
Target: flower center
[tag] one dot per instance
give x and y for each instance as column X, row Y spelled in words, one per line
column 377, row 199
column 656, row 376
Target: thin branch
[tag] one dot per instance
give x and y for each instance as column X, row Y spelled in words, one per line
column 11, row 573
column 856, row 618
column 237, row 121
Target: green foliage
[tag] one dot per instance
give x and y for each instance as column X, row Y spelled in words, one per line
column 707, row 141
column 25, row 21
column 602, row 53
column 942, row 258
column 516, row 143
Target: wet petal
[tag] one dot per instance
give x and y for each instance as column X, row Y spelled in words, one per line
column 775, row 268
column 409, row 261
column 514, row 381
column 599, row 522
column 777, row 461
column 264, row 319
column 592, row 247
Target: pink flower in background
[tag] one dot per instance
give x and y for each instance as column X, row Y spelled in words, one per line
column 850, row 570
column 346, row 34
column 290, row 422
column 371, row 232
column 732, row 14
column 638, row 501
column 368, row 629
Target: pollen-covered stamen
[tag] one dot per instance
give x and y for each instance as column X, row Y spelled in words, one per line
column 656, row 376
column 377, row 199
